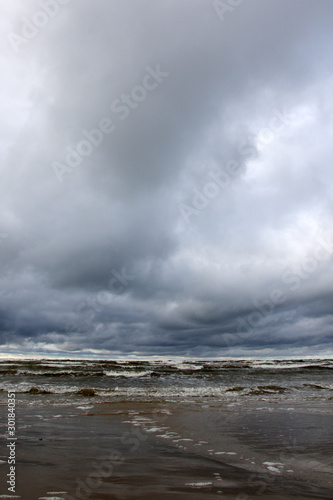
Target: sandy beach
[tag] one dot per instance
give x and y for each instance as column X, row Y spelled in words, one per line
column 164, row 450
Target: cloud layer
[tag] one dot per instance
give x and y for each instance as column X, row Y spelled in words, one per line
column 166, row 177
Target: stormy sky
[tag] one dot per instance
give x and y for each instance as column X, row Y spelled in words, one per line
column 166, row 177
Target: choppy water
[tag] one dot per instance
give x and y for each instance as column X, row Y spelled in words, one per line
column 236, row 380
column 190, row 429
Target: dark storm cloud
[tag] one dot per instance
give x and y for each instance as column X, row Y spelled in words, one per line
column 167, row 184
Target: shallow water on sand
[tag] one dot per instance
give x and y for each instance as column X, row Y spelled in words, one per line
column 172, row 451
column 265, row 433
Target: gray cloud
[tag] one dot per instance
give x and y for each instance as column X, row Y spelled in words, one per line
column 213, row 189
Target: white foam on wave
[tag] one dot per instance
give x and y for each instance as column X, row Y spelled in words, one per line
column 181, row 365
column 168, row 435
column 23, row 387
column 291, row 364
column 225, row 453
column 199, row 485
column 50, row 498
column 56, row 492
column 13, row 496
column 170, row 392
column 56, row 364
column 274, row 466
column 45, row 373
column 273, row 469
column 155, row 429
column 129, row 374
column 138, row 420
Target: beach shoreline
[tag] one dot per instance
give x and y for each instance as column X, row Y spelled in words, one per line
column 144, row 450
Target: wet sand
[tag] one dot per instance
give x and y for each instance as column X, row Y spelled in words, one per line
column 162, row 450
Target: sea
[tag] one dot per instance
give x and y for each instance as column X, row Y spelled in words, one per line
column 168, row 429
column 63, row 382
